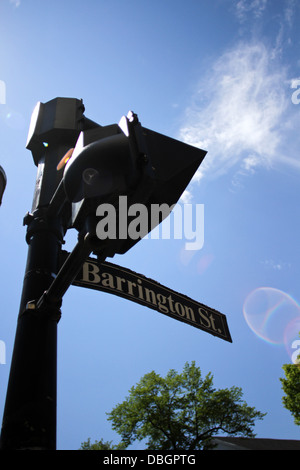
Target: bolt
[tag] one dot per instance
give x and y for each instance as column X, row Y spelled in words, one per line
column 31, row 305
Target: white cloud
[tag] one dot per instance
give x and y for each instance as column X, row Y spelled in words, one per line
column 245, row 7
column 186, row 197
column 289, row 12
column 276, row 266
column 238, row 114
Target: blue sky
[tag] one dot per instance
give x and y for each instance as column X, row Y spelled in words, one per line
column 219, row 74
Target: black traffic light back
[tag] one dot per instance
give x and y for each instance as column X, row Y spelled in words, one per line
column 54, row 128
column 175, row 164
column 108, row 162
column 130, row 160
column 105, row 163
column 56, row 122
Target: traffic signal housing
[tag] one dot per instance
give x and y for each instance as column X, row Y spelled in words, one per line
column 107, row 162
column 129, row 160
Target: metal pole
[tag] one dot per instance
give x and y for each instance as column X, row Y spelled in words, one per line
column 29, row 420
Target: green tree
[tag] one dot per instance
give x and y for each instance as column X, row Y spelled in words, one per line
column 291, row 388
column 100, row 445
column 181, row 411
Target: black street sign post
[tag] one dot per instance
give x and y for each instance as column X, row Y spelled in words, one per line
column 99, row 165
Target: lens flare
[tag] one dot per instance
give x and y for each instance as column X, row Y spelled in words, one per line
column 15, row 120
column 65, row 159
column 273, row 316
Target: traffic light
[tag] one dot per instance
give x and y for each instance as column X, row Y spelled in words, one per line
column 56, row 122
column 54, row 128
column 107, row 162
column 129, row 160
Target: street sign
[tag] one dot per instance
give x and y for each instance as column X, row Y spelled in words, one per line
column 114, row 279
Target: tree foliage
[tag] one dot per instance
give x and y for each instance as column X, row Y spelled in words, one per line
column 181, row 411
column 100, row 445
column 291, row 388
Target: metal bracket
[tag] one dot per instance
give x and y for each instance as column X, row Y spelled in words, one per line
column 38, row 308
column 39, row 221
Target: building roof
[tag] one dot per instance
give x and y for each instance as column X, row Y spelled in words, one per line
column 244, row 443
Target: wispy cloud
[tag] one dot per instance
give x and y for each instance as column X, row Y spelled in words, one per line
column 236, row 114
column 242, row 112
column 253, row 7
column 276, row 266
